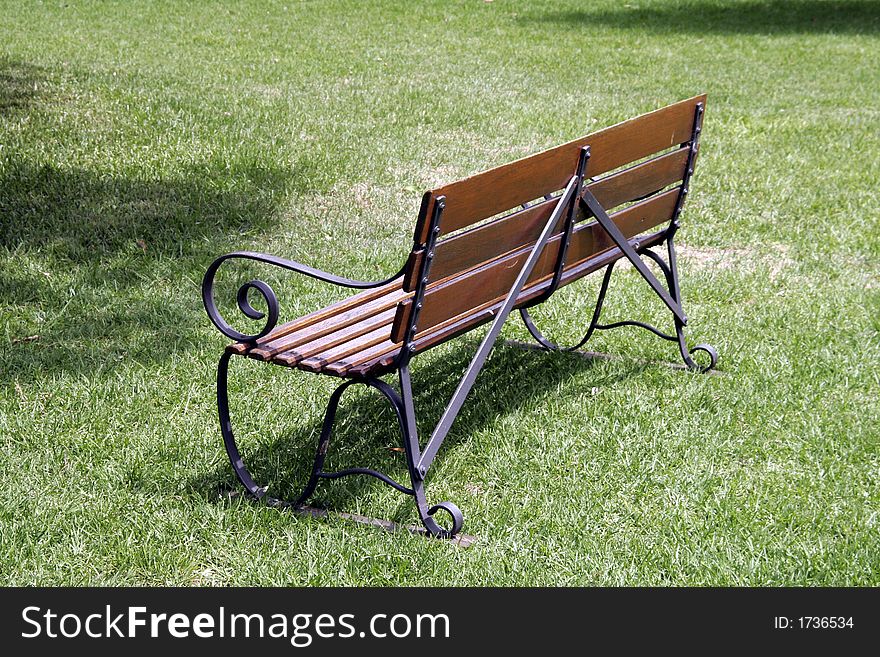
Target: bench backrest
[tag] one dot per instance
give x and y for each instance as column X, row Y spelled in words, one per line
column 474, row 269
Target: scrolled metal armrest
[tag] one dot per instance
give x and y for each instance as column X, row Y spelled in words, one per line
column 266, row 292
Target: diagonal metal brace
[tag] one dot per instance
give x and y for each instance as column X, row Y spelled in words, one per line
column 623, row 244
column 467, row 382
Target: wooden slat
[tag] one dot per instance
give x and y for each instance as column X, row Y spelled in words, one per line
column 640, row 180
column 287, row 342
column 493, row 280
column 412, row 269
column 359, row 360
column 484, row 243
column 323, row 344
column 492, row 192
column 466, row 250
column 320, row 361
column 318, row 315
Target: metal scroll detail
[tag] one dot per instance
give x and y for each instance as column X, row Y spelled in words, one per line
column 266, row 291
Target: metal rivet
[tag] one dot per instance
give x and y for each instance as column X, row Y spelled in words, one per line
column 419, row 305
column 425, row 280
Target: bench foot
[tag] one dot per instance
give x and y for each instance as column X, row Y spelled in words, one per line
column 402, row 411
column 670, row 271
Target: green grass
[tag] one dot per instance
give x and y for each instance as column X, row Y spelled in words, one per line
column 140, row 141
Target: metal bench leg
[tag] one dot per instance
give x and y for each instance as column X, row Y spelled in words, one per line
column 241, row 471
column 235, row 458
column 594, row 322
column 403, row 409
column 406, row 413
column 670, row 272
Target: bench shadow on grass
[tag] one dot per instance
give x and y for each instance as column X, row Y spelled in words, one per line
column 753, row 17
column 366, row 428
column 100, row 268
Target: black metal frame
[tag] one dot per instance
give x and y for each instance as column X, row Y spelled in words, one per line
column 418, row 459
column 670, row 295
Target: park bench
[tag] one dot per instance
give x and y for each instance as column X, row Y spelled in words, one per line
column 500, row 240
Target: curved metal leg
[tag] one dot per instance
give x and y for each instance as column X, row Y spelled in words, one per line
column 401, row 410
column 594, row 322
column 405, row 410
column 241, row 471
column 670, row 272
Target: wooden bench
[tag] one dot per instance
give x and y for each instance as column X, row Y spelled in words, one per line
column 501, row 240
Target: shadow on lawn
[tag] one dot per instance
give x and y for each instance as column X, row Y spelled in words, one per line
column 753, row 17
column 366, row 428
column 117, row 260
column 20, row 85
column 97, row 268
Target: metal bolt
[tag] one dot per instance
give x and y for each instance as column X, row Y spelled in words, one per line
column 423, row 471
column 419, row 305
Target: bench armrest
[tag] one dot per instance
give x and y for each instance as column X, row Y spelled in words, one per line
column 267, row 293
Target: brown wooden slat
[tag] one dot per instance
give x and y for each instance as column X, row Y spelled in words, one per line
column 492, row 192
column 317, row 316
column 327, row 326
column 344, row 335
column 484, row 243
column 640, row 180
column 468, row 249
column 463, row 293
column 357, row 361
column 469, row 291
column 413, row 267
column 318, row 362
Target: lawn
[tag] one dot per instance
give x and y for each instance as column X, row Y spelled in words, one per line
column 138, row 141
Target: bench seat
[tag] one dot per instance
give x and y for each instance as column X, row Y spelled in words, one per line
column 349, row 338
